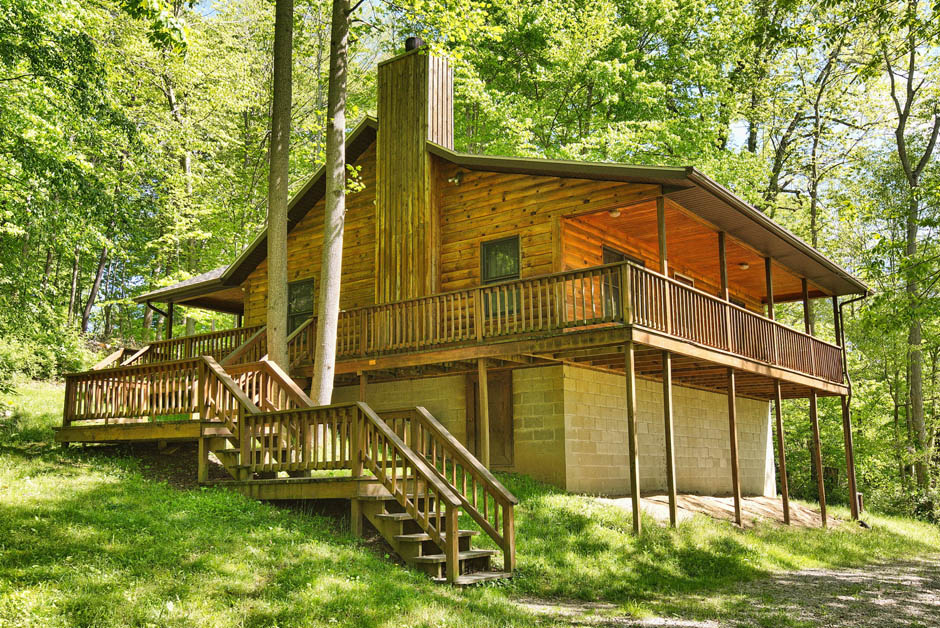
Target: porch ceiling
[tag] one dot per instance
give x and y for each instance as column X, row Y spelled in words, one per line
column 692, row 243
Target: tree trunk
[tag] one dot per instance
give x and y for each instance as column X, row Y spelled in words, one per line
column 914, row 338
column 47, row 270
column 277, row 185
column 102, row 260
column 74, row 291
column 331, row 264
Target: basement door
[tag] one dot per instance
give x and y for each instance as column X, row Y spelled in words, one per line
column 499, row 385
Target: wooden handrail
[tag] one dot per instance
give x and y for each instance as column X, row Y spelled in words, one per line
column 430, row 439
column 373, row 435
column 249, row 348
column 111, row 359
column 137, row 356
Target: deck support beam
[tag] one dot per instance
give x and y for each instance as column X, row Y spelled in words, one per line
column 483, row 412
column 781, row 453
column 849, row 454
column 733, row 433
column 817, row 455
column 632, row 444
column 363, row 381
column 670, row 439
column 202, row 473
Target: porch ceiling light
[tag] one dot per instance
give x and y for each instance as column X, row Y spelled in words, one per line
column 614, row 213
column 744, row 265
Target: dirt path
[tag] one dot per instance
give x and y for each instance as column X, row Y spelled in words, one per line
column 893, row 595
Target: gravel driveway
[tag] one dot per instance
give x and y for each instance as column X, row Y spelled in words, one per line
column 891, row 595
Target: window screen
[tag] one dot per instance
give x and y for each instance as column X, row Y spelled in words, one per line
column 300, row 303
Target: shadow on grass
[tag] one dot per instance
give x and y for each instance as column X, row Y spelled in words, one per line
column 91, row 542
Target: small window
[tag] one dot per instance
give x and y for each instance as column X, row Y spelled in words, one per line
column 612, row 256
column 300, row 303
column 737, row 302
column 684, row 279
column 499, row 261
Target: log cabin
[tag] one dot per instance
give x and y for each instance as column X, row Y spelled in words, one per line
column 606, row 328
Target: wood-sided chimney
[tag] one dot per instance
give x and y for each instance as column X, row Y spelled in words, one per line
column 415, row 104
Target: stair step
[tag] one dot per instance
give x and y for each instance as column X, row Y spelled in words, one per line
column 421, row 536
column 219, row 430
column 476, row 577
column 465, row 555
column 394, row 516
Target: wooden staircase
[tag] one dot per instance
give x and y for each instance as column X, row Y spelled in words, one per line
column 419, row 549
column 268, row 434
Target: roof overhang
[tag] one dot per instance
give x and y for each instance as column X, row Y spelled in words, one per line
column 698, row 194
column 357, row 142
column 204, row 291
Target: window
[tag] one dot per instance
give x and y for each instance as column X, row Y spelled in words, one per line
column 684, row 279
column 300, row 301
column 499, row 261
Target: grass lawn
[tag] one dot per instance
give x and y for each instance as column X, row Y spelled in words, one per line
column 87, row 539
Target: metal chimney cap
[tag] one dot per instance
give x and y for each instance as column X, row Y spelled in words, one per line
column 413, row 43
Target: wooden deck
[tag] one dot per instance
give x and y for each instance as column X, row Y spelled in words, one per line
column 583, row 316
column 404, row 471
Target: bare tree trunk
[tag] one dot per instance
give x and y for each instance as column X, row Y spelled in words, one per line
column 277, row 185
column 331, row 264
column 102, row 260
column 47, row 270
column 74, row 290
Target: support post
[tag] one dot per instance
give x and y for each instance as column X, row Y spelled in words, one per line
column 661, row 229
column 817, row 456
column 202, row 473
column 632, row 444
column 781, row 453
column 769, row 283
column 723, row 264
column 483, row 412
column 670, row 439
column 363, row 381
column 733, row 429
column 355, row 517
column 807, row 310
column 849, row 454
column 169, row 321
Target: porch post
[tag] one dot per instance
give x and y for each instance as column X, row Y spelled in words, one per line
column 363, row 380
column 169, row 321
column 723, row 264
column 733, row 429
column 807, row 311
column 817, row 456
column 781, row 453
column 670, row 439
column 632, row 444
column 483, row 412
column 661, row 228
column 769, row 281
column 849, row 454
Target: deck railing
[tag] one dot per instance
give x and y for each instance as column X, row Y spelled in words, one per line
column 216, row 344
column 613, row 294
column 482, row 496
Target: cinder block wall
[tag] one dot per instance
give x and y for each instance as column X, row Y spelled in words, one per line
column 444, row 397
column 596, row 438
column 539, row 424
column 570, row 429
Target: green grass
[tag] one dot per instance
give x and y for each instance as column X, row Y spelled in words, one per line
column 87, row 540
